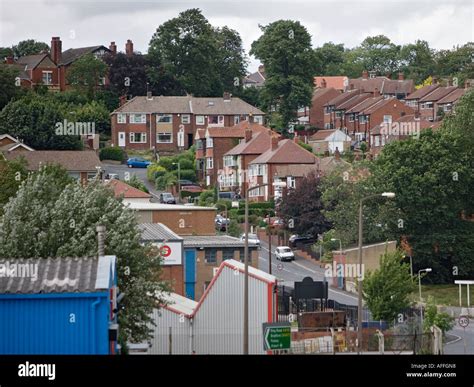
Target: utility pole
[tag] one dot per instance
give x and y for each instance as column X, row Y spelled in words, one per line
column 269, row 247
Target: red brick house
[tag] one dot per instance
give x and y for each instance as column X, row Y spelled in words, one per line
column 170, row 124
column 369, row 82
column 9, row 144
column 334, row 109
column 320, row 97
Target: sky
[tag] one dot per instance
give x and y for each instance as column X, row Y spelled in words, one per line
column 443, row 23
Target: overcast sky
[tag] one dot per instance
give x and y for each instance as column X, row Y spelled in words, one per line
column 87, row 23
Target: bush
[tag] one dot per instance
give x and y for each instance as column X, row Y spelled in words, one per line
column 112, row 153
column 165, row 181
column 188, row 194
column 223, row 204
column 308, row 147
column 154, row 171
column 207, row 198
column 137, row 183
column 187, row 174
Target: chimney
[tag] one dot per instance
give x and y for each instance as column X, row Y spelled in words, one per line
column 101, row 240
column 113, row 48
column 401, row 76
column 129, row 48
column 227, row 96
column 365, row 74
column 388, row 75
column 248, row 135
column 56, row 49
column 149, row 96
column 376, row 92
column 122, row 100
column 274, row 143
column 337, row 154
column 323, row 83
column 9, row 60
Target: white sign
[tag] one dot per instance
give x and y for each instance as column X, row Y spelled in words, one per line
column 171, row 252
column 463, row 321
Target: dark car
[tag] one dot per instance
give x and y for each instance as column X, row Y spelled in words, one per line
column 167, row 198
column 296, row 240
column 222, row 223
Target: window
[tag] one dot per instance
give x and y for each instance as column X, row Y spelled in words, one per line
column 199, row 144
column 185, row 119
column 257, row 192
column 137, row 118
column 75, row 175
column 362, row 119
column 209, row 142
column 210, row 163
column 137, row 138
column 47, row 77
column 427, row 105
column 165, row 137
column 91, row 175
column 216, row 120
column 227, row 254
column 387, row 119
column 351, row 117
column 338, row 114
column 236, row 120
column 376, row 140
column 210, row 256
column 199, row 120
column 327, row 109
column 164, row 118
column 121, row 118
column 258, row 120
column 229, row 161
column 291, row 182
column 257, row 170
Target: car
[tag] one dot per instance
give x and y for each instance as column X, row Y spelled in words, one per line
column 296, row 239
column 167, row 198
column 111, row 176
column 284, row 253
column 137, row 162
column 222, row 223
column 253, row 239
column 187, row 183
column 229, row 195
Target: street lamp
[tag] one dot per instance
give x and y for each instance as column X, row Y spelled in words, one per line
column 179, row 180
column 340, row 243
column 427, row 270
column 246, row 260
column 388, row 195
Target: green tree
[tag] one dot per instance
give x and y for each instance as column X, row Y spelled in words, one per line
column 137, row 183
column 9, row 88
column 432, row 317
column 29, row 47
column 386, row 290
column 85, row 74
column 329, row 59
column 127, row 74
column 417, row 60
column 285, row 50
column 47, row 219
column 12, row 173
column 92, row 112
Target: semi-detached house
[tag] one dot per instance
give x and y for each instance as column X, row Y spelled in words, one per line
column 169, row 124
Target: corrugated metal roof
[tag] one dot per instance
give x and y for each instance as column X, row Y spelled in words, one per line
column 257, row 273
column 135, row 205
column 212, row 241
column 157, row 232
column 179, row 304
column 55, row 275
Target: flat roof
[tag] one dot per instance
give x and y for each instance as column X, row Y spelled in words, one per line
column 141, row 205
column 213, row 241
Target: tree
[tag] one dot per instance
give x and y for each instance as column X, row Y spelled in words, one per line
column 127, row 74
column 86, row 73
column 379, row 54
column 285, row 50
column 302, row 207
column 50, row 219
column 329, row 58
column 5, row 52
column 137, row 183
column 417, row 60
column 456, row 62
column 92, row 112
column 12, row 173
column 29, row 47
column 386, row 290
column 432, row 317
column 8, row 88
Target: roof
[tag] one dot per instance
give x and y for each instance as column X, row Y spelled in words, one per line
column 22, row 73
column 295, row 170
column 422, row 122
column 354, row 101
column 256, row 146
column 322, row 134
column 31, row 61
column 73, row 54
column 384, row 85
column 287, row 152
column 57, row 275
column 157, row 232
column 72, row 161
column 337, row 82
column 139, row 205
column 187, row 105
column 236, row 131
column 124, row 190
column 254, row 272
column 422, row 92
column 365, row 104
column 179, row 304
column 438, row 94
column 343, row 97
column 212, row 241
column 330, row 163
column 257, row 78
column 453, row 96
column 320, row 93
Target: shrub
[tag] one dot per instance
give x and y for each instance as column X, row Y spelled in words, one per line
column 308, row 147
column 137, row 183
column 154, row 171
column 207, row 198
column 165, row 181
column 112, row 153
column 187, row 174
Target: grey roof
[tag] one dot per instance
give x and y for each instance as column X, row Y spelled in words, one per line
column 157, row 232
column 56, row 275
column 31, row 61
column 212, row 241
column 188, row 105
column 73, row 54
column 72, row 161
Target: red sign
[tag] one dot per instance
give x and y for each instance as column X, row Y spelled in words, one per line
column 165, row 251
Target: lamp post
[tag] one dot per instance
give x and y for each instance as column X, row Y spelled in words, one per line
column 179, row 180
column 359, row 287
column 427, row 270
column 246, row 260
column 340, row 243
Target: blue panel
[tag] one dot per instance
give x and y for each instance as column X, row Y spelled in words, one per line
column 54, row 324
column 190, row 273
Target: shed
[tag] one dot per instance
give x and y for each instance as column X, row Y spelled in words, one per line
column 58, row 306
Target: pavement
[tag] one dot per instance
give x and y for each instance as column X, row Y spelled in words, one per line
column 461, row 340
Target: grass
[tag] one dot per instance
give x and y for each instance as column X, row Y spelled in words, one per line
column 146, row 154
column 447, row 295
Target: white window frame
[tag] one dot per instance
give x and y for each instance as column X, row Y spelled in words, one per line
column 200, row 120
column 387, row 118
column 229, row 161
column 351, row 117
column 291, row 182
column 258, row 119
column 362, row 119
column 163, row 115
column 220, row 120
column 142, row 138
column 121, row 118
column 49, row 76
column 135, row 115
column 185, row 119
column 210, row 163
column 209, row 142
column 236, row 120
column 158, row 134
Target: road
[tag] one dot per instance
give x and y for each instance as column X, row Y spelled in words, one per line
column 289, row 272
column 463, row 342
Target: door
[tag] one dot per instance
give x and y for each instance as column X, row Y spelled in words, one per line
column 190, row 273
column 121, row 139
column 190, row 140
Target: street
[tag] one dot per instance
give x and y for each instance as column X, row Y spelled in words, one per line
column 463, row 342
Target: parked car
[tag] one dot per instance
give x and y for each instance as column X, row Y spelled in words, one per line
column 111, row 176
column 229, row 195
column 186, row 183
column 253, row 239
column 222, row 223
column 296, row 239
column 137, row 162
column 284, row 253
column 167, row 198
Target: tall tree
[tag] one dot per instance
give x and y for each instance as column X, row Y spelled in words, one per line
column 127, row 74
column 329, row 59
column 417, row 60
column 8, row 85
column 86, row 74
column 12, row 173
column 285, row 50
column 29, row 47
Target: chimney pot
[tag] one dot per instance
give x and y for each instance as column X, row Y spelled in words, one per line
column 248, row 135
column 227, row 96
column 129, row 48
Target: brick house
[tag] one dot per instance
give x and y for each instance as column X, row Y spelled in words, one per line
column 320, row 97
column 334, row 109
column 369, row 82
column 340, row 83
column 9, row 144
column 256, row 79
column 169, row 124
column 213, row 142
column 275, row 165
column 127, row 192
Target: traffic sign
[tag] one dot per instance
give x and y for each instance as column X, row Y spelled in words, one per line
column 276, row 336
column 280, row 266
column 463, row 321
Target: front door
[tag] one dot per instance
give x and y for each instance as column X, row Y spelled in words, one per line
column 121, row 139
column 190, row 273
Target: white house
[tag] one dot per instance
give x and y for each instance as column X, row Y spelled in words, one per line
column 330, row 140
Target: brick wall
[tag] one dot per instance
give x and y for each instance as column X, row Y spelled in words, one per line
column 174, row 274
column 192, row 222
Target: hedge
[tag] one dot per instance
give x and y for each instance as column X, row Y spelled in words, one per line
column 112, row 153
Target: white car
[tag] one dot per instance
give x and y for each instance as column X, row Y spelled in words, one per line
column 284, row 253
column 253, row 239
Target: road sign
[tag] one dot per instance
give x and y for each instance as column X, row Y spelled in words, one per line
column 276, row 336
column 280, row 266
column 463, row 321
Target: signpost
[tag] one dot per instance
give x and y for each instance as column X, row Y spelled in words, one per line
column 276, row 336
column 463, row 321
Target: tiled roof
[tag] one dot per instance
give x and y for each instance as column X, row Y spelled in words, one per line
column 422, row 92
column 453, row 96
column 31, row 61
column 320, row 93
column 187, row 105
column 337, row 82
column 422, row 122
column 73, row 54
column 355, row 100
column 57, row 275
column 72, row 161
column 384, row 85
column 22, row 73
column 259, row 143
column 295, row 170
column 364, row 103
column 287, row 152
column 257, row 78
column 157, row 232
column 328, row 164
column 322, row 134
column 343, row 97
column 236, row 131
column 124, row 190
column 438, row 94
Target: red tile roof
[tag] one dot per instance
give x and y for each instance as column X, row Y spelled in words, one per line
column 287, row 152
column 384, row 85
column 236, row 131
column 337, row 82
column 452, row 97
column 259, row 143
column 342, row 98
column 364, row 104
column 126, row 191
column 322, row 134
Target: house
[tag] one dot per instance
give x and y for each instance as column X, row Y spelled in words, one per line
column 262, row 170
column 256, row 79
column 447, row 103
column 329, row 164
column 212, row 143
column 9, row 144
column 340, row 83
column 127, row 192
column 236, row 161
column 213, row 325
column 399, row 88
column 321, row 96
column 329, row 140
column 81, row 165
column 334, row 109
column 58, row 306
column 413, row 99
column 169, row 124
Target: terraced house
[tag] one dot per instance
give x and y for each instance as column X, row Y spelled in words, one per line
column 169, row 124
